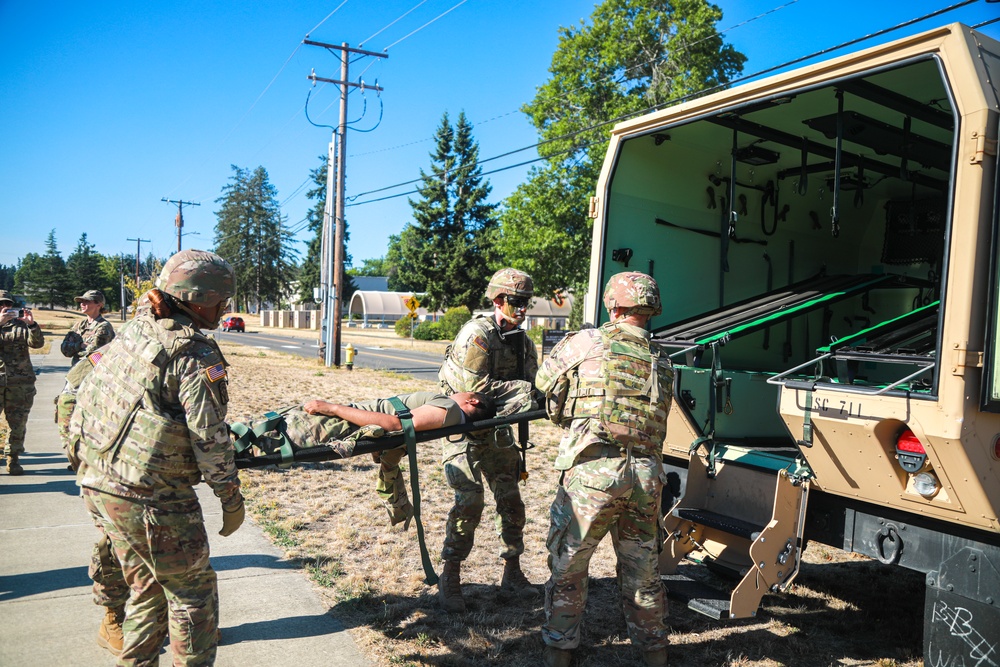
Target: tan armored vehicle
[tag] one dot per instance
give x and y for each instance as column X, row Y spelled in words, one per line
column 826, row 243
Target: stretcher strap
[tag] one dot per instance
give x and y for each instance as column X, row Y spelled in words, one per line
column 410, row 435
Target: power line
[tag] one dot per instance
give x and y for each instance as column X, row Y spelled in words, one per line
column 404, row 15
column 662, row 105
column 447, row 11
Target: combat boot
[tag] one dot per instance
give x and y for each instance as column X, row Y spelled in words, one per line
column 450, row 587
column 656, row 658
column 556, row 657
column 110, row 635
column 13, row 467
column 514, row 581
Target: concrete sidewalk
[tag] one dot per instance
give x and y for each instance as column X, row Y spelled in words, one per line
column 270, row 613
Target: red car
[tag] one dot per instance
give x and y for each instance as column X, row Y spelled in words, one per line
column 233, row 324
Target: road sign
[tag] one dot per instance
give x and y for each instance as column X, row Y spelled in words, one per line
column 411, row 304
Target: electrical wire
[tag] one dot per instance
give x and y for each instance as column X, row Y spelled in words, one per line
column 405, row 14
column 326, row 19
column 447, row 11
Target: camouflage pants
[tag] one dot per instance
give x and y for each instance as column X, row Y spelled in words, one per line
column 500, row 466
column 391, row 487
column 164, row 557
column 15, row 404
column 618, row 495
column 65, row 402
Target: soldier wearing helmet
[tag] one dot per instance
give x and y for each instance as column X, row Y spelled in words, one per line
column 18, row 332
column 148, row 426
column 491, row 354
column 611, row 389
column 91, row 332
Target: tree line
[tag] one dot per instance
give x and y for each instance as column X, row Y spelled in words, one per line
column 630, row 57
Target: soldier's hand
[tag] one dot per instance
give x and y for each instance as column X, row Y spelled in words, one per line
column 8, row 314
column 28, row 318
column 232, row 518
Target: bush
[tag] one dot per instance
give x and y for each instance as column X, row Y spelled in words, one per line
column 452, row 321
column 427, row 331
column 403, row 326
column 535, row 334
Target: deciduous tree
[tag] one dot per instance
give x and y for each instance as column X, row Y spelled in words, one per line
column 632, row 56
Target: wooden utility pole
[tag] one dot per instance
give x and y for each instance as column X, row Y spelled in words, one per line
column 138, row 245
column 333, row 284
column 179, row 220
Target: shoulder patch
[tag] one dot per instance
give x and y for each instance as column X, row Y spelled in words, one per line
column 481, row 343
column 95, row 358
column 216, row 372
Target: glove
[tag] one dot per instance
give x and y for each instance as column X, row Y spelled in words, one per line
column 232, row 518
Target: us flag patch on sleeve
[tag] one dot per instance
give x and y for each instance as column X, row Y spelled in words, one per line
column 480, row 342
column 95, row 358
column 216, row 372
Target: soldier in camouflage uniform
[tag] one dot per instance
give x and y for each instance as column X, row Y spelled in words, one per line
column 17, row 376
column 148, row 426
column 91, row 332
column 491, row 354
column 319, row 422
column 611, row 388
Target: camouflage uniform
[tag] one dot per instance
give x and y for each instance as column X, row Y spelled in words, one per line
column 110, row 589
column 86, row 336
column 482, row 358
column 307, row 430
column 148, row 426
column 17, row 378
column 612, row 479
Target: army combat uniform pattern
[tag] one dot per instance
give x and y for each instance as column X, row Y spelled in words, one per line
column 503, row 366
column 85, row 337
column 149, row 425
column 110, row 589
column 17, row 378
column 307, row 430
column 612, row 480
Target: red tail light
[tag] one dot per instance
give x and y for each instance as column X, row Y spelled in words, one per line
column 910, row 452
column 909, row 443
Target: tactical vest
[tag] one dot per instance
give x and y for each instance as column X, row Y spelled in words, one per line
column 124, row 430
column 498, row 360
column 622, row 386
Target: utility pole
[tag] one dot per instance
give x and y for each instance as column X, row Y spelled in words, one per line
column 332, row 285
column 179, row 220
column 138, row 243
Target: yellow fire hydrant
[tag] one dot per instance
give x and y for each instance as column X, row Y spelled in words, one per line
column 349, row 353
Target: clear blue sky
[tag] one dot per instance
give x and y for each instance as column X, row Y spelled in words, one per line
column 107, row 107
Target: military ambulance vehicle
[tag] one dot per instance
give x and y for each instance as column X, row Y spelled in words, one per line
column 826, row 244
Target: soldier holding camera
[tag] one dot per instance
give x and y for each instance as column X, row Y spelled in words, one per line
column 18, row 333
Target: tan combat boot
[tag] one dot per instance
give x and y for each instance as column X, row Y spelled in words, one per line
column 556, row 657
column 514, row 581
column 110, row 635
column 450, row 587
column 656, row 658
column 13, row 467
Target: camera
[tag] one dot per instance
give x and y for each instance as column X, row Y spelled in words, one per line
column 20, row 312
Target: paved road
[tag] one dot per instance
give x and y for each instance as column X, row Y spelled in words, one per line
column 421, row 365
column 270, row 613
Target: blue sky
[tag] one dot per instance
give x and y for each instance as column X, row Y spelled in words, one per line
column 107, row 107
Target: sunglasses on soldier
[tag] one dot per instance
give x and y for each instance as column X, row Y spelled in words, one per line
column 516, row 301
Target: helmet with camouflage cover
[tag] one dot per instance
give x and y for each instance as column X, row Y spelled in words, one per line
column 634, row 291
column 72, row 344
column 198, row 278
column 510, row 281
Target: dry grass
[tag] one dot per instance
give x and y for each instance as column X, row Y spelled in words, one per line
column 844, row 610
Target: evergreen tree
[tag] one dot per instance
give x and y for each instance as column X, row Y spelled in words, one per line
column 7, row 277
column 43, row 279
column 452, row 222
column 633, row 55
column 309, row 271
column 84, row 268
column 252, row 235
column 400, row 265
